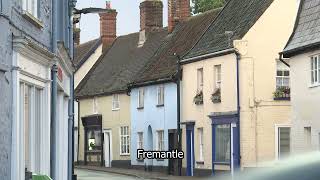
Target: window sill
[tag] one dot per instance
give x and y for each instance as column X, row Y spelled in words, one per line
column 33, row 20
column 160, row 159
column 140, row 108
column 314, row 85
column 160, row 105
column 118, row 109
column 222, row 163
column 282, row 99
column 200, row 162
column 125, row 154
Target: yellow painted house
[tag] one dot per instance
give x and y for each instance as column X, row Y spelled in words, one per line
column 104, row 105
column 235, row 97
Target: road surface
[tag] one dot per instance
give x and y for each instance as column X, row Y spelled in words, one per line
column 98, row 175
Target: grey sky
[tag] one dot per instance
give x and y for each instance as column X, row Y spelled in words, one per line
column 128, row 19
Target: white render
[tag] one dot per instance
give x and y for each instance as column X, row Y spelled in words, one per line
column 305, row 104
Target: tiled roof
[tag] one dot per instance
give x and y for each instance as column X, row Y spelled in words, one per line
column 307, row 28
column 234, row 21
column 117, row 66
column 182, row 39
column 84, row 51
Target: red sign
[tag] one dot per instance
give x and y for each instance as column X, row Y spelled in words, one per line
column 60, row 74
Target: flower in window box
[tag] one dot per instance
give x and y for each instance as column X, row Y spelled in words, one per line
column 216, row 96
column 198, row 99
column 282, row 92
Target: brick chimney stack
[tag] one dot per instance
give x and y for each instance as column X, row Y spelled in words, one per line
column 178, row 11
column 151, row 15
column 108, row 26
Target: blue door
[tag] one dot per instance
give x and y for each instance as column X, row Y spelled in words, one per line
column 190, row 149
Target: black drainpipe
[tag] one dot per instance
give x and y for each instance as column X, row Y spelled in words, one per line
column 238, row 104
column 178, row 78
column 53, row 138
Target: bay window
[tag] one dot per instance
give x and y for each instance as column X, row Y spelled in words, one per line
column 115, row 102
column 199, row 80
column 160, row 95
column 141, row 98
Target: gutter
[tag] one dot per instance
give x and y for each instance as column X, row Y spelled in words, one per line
column 206, row 56
column 282, row 60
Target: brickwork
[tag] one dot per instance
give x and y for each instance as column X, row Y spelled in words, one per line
column 108, row 27
column 151, row 15
column 178, row 10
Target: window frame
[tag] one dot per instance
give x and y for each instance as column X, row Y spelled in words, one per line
column 282, row 69
column 160, row 142
column 277, row 126
column 201, row 144
column 124, row 141
column 114, row 102
column 141, row 98
column 140, row 140
column 160, row 95
column 35, row 125
column 314, row 71
column 33, row 11
column 217, row 81
column 200, row 78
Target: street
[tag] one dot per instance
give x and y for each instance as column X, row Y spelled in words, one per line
column 98, row 175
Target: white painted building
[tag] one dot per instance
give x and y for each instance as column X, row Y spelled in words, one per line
column 303, row 52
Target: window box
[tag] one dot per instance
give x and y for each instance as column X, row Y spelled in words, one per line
column 216, row 96
column 282, row 94
column 33, row 20
column 198, row 99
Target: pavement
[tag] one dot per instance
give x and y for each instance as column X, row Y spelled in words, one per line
column 94, row 173
column 84, row 174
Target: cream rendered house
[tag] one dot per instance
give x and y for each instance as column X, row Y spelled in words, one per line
column 303, row 51
column 86, row 55
column 104, row 105
column 232, row 99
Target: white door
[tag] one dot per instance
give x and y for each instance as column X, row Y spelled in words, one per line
column 107, row 148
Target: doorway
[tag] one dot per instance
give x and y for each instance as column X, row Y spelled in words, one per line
column 173, row 144
column 150, row 148
column 107, row 148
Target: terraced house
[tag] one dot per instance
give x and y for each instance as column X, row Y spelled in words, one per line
column 303, row 51
column 104, row 106
column 235, row 108
column 154, row 92
column 36, row 86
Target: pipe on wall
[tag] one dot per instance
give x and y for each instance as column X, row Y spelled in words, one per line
column 178, row 78
column 53, row 125
column 238, row 57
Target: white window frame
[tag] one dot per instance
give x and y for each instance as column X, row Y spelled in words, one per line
column 115, row 102
column 35, row 124
column 314, row 71
column 140, row 140
column 201, row 145
column 277, row 126
column 200, row 79
column 283, row 69
column 160, row 95
column 124, row 140
column 141, row 98
column 160, row 142
column 217, row 76
column 31, row 7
